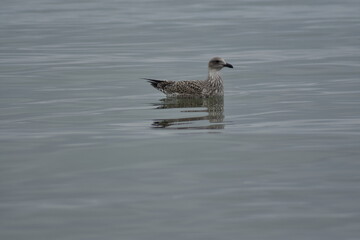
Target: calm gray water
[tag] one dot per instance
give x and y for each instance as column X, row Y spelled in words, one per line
column 91, row 151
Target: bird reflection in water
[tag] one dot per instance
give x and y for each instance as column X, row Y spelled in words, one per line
column 212, row 107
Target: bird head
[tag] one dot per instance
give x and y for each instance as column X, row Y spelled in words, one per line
column 217, row 63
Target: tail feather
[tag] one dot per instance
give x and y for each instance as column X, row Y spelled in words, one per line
column 154, row 82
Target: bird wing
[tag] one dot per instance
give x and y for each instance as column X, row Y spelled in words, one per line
column 194, row 87
column 185, row 87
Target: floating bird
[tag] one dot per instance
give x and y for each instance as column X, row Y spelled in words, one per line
column 212, row 86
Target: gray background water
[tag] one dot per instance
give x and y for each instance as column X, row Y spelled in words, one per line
column 91, row 151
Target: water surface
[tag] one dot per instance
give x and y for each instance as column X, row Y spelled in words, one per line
column 90, row 151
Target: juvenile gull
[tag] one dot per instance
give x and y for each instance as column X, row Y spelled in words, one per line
column 212, row 86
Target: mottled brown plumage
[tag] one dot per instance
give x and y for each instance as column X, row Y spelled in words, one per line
column 212, row 86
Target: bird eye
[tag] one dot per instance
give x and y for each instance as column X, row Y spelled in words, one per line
column 217, row 61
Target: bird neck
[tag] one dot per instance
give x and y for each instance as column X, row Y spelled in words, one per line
column 214, row 76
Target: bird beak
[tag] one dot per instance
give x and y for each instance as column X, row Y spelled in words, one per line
column 228, row 65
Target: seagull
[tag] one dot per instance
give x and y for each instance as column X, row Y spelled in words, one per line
column 212, row 86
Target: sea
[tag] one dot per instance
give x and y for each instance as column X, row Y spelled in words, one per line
column 89, row 150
